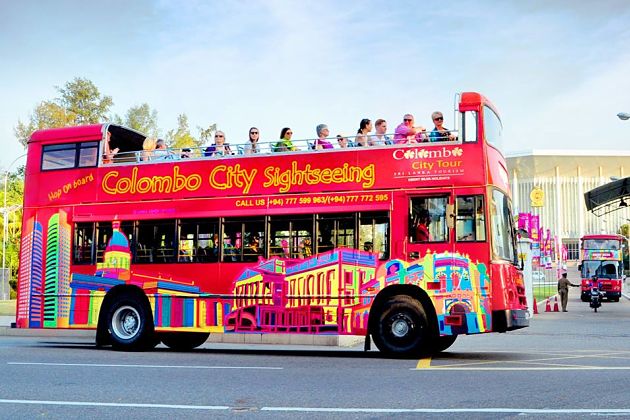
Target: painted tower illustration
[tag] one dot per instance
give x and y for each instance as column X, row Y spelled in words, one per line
column 31, row 269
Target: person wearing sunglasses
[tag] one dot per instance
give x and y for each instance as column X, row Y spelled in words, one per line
column 285, row 144
column 252, row 146
column 343, row 141
column 220, row 147
column 407, row 133
column 322, row 134
column 440, row 133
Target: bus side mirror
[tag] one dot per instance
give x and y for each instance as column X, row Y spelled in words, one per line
column 579, row 267
column 450, row 216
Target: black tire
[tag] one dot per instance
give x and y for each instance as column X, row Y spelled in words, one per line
column 402, row 328
column 130, row 323
column 183, row 341
column 441, row 343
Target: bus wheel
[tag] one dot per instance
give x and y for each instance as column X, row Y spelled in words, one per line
column 182, row 341
column 130, row 324
column 443, row 342
column 402, row 328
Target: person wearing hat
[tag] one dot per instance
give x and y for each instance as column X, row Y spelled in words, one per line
column 322, row 134
column 563, row 290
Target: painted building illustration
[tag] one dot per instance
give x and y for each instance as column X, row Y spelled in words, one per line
column 330, row 293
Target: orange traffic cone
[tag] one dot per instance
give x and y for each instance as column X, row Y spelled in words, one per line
column 555, row 305
column 535, row 307
column 548, row 306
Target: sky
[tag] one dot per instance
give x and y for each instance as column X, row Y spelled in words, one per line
column 557, row 71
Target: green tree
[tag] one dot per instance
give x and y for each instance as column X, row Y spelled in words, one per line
column 15, row 192
column 80, row 103
column 181, row 137
column 624, row 230
column 143, row 119
column 48, row 114
column 82, row 99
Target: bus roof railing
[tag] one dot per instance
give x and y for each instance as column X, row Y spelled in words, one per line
column 263, row 148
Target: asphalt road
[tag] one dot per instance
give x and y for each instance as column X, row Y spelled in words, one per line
column 566, row 365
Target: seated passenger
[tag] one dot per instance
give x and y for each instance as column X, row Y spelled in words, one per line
column 322, row 134
column 380, row 138
column 252, row 146
column 148, row 146
column 285, row 144
column 220, row 147
column 406, row 133
column 161, row 152
column 108, row 153
column 343, row 142
column 439, row 133
column 365, row 126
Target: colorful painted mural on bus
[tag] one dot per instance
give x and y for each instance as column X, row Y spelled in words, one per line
column 329, row 293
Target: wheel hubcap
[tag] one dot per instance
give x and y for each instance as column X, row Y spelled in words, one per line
column 126, row 322
column 401, row 326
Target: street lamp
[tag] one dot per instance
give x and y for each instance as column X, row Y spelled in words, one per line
column 623, row 116
column 5, row 213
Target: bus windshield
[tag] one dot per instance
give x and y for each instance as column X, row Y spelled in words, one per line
column 601, row 244
column 601, row 269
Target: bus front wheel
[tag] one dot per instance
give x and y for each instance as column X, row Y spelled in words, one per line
column 130, row 324
column 182, row 341
column 402, row 328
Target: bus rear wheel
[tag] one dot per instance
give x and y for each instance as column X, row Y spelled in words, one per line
column 402, row 328
column 130, row 324
column 182, row 341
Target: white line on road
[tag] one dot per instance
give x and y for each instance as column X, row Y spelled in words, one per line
column 328, row 409
column 145, row 366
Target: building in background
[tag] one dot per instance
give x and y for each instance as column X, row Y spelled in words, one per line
column 564, row 176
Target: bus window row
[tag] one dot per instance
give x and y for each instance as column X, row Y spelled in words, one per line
column 236, row 239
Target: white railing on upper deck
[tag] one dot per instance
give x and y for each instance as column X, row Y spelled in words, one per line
column 266, row 148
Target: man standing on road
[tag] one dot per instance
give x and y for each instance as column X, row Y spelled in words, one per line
column 563, row 290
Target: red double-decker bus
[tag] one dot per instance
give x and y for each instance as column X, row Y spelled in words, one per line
column 601, row 266
column 410, row 244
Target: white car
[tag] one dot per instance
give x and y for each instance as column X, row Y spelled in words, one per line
column 538, row 276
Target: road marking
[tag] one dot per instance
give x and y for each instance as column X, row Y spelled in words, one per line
column 424, row 363
column 145, row 366
column 327, row 409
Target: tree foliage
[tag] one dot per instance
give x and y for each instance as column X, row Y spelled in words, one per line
column 181, row 136
column 80, row 102
column 143, row 119
column 15, row 192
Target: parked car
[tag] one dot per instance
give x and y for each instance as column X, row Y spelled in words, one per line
column 538, row 276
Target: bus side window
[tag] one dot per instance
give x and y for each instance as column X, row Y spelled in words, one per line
column 470, row 126
column 471, row 223
column 427, row 219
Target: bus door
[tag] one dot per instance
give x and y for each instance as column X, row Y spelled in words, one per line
column 429, row 224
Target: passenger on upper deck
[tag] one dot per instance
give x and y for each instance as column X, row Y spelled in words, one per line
column 440, row 133
column 343, row 142
column 220, row 147
column 109, row 154
column 365, row 126
column 252, row 146
column 285, row 144
column 380, row 138
column 162, row 152
column 322, row 134
column 406, row 133
column 148, row 146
